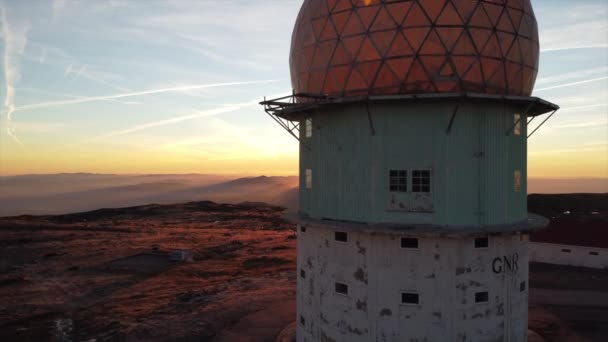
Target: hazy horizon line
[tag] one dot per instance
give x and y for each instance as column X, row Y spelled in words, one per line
column 247, row 174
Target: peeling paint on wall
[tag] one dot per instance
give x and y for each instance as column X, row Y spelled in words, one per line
column 377, row 277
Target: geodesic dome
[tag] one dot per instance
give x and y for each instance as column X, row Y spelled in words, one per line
column 368, row 47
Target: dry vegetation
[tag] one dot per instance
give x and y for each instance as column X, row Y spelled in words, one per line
column 107, row 274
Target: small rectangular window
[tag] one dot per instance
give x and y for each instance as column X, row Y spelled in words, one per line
column 482, row 242
column 522, row 286
column 409, row 243
column 302, row 320
column 517, row 181
column 302, row 229
column 517, row 124
column 341, row 236
column 308, row 127
column 565, row 250
column 302, row 274
column 482, row 297
column 594, row 253
column 308, row 179
column 410, row 298
column 341, row 288
column 398, row 180
column 421, row 181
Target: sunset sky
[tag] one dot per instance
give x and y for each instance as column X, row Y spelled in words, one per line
column 173, row 86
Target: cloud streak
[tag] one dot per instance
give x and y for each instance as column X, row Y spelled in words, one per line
column 584, row 107
column 563, row 48
column 572, row 84
column 15, row 39
column 138, row 93
column 198, row 114
column 576, row 74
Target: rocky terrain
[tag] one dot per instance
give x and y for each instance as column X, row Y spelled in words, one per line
column 107, row 274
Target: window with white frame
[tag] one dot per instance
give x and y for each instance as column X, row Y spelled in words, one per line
column 308, row 127
column 398, row 180
column 517, row 181
column 421, row 181
column 308, row 178
column 517, row 124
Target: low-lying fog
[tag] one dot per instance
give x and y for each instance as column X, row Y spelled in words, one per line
column 63, row 193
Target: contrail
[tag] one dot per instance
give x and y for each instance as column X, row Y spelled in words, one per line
column 73, row 96
column 598, row 46
column 573, row 83
column 13, row 45
column 79, row 72
column 10, row 91
column 174, row 120
column 68, row 70
column 585, row 106
column 11, row 134
column 138, row 93
column 199, row 114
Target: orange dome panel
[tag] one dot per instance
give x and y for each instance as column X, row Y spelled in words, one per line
column 367, row 47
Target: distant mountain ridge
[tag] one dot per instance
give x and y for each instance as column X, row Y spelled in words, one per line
column 63, row 193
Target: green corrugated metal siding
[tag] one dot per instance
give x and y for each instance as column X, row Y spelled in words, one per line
column 472, row 166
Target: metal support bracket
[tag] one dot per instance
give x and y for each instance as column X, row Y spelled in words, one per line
column 542, row 123
column 369, row 117
column 291, row 127
column 449, row 129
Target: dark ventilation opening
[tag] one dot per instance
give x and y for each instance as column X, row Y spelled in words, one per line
column 410, row 298
column 341, row 288
column 302, row 320
column 566, row 250
column 302, row 273
column 341, row 236
column 482, row 242
column 594, row 253
column 303, row 229
column 409, row 242
column 522, row 286
column 482, row 297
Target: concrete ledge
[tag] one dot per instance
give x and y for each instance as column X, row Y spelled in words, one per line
column 532, row 223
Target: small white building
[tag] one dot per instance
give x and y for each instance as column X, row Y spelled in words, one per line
column 571, row 242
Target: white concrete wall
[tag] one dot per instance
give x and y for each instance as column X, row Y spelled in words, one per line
column 446, row 272
column 580, row 256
